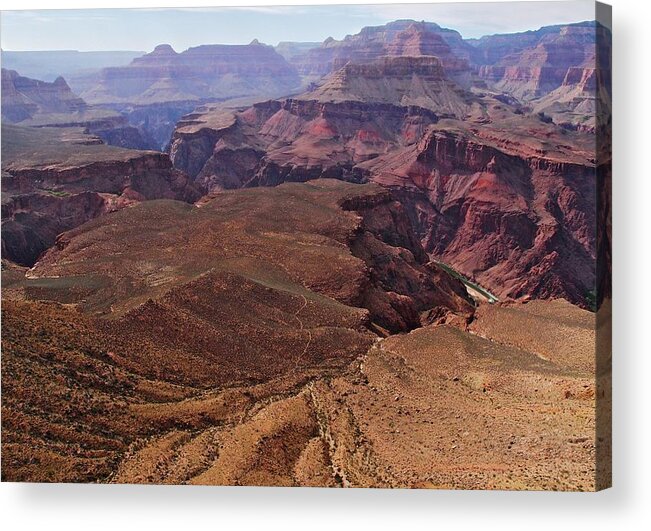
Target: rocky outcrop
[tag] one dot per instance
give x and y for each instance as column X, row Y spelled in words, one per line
column 291, row 140
column 490, row 49
column 563, row 72
column 403, row 289
column 148, row 174
column 199, row 73
column 420, row 39
column 275, row 237
column 544, row 66
column 400, row 80
column 35, row 103
column 42, row 200
column 586, row 90
column 574, row 104
column 23, row 98
column 357, row 113
column 402, row 37
column 516, row 222
column 504, row 197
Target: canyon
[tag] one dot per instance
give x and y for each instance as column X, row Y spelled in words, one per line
column 398, row 38
column 336, row 264
column 35, row 103
column 198, row 73
column 196, row 365
column 491, row 190
column 54, row 179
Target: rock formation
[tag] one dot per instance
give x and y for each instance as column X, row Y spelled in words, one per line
column 502, row 196
column 515, row 220
column 374, row 259
column 54, row 179
column 539, row 69
column 290, row 140
column 490, row 49
column 23, row 98
column 35, row 103
column 404, row 80
column 199, row 73
column 402, row 37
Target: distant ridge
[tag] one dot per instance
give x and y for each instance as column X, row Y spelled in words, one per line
column 50, row 64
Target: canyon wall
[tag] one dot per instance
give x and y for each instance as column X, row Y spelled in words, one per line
column 42, row 200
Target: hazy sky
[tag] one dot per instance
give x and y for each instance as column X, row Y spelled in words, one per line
column 142, row 29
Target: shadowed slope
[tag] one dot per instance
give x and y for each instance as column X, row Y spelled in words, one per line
column 55, row 179
column 436, row 408
column 210, row 314
column 348, row 242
